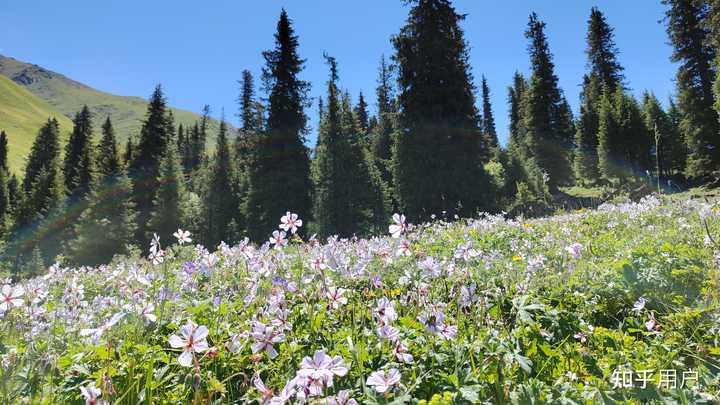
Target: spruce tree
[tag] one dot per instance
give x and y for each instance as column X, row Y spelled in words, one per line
column 623, row 140
column 361, row 116
column 488, row 121
column 78, row 160
column 690, row 38
column 604, row 72
column 4, row 152
column 220, row 208
column 145, row 170
column 128, row 153
column 108, row 160
column 250, row 123
column 437, row 155
column 547, row 142
column 669, row 154
column 516, row 93
column 168, row 205
column 343, row 202
column 382, row 137
column 279, row 175
column 13, row 192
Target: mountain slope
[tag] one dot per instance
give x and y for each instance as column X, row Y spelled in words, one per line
column 68, row 96
column 21, row 116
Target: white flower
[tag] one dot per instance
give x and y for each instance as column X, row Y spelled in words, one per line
column 402, row 354
column 278, row 239
column 639, row 305
column 404, row 249
column 11, row 297
column 385, row 311
column 182, row 236
column 92, row 395
column 265, row 337
column 399, row 226
column 290, row 222
column 322, row 367
column 342, row 398
column 575, row 250
column 337, row 297
column 383, row 380
column 98, row 332
column 192, row 341
column 388, row 332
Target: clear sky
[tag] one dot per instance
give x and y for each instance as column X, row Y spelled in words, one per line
column 198, row 50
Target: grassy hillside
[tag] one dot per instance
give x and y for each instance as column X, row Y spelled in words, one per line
column 21, row 115
column 488, row 310
column 68, row 96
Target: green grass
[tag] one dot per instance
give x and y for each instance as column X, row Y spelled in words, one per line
column 21, row 115
column 64, row 96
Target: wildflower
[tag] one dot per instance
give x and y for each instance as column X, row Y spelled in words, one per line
column 382, row 380
column 639, row 305
column 264, row 391
column 148, row 312
column 182, row 236
column 651, row 323
column 388, row 332
column 287, row 392
column 11, row 297
column 290, row 222
column 404, row 249
column 385, row 311
column 98, row 332
column 575, row 250
column 402, row 354
column 322, row 368
column 237, row 341
column 581, row 336
column 193, row 340
column 430, row 267
column 399, row 226
column 337, row 297
column 278, row 239
column 92, row 395
column 265, row 337
column 342, row 398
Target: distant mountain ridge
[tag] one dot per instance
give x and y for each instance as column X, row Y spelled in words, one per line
column 67, row 96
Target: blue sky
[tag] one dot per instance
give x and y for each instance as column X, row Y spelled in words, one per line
column 198, row 50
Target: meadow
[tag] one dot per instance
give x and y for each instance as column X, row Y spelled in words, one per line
column 593, row 306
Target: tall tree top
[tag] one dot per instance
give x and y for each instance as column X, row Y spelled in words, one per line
column 361, row 114
column 435, row 83
column 108, row 158
column 248, row 114
column 287, row 93
column 384, row 90
column 602, row 52
column 154, row 135
column 488, row 119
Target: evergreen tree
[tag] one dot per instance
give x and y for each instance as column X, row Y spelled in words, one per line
column 547, row 141
column 13, row 192
column 692, row 49
column 248, row 104
column 361, row 116
column 184, row 150
column 342, row 203
column 279, row 175
column 515, row 96
column 489, row 132
column 623, row 139
column 108, row 160
column 168, row 209
column 669, row 154
column 220, row 209
column 145, row 169
column 602, row 53
column 78, row 159
column 5, row 209
column 382, row 137
column 40, row 203
column 4, row 152
column 44, row 153
column 128, row 153
column 437, row 153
